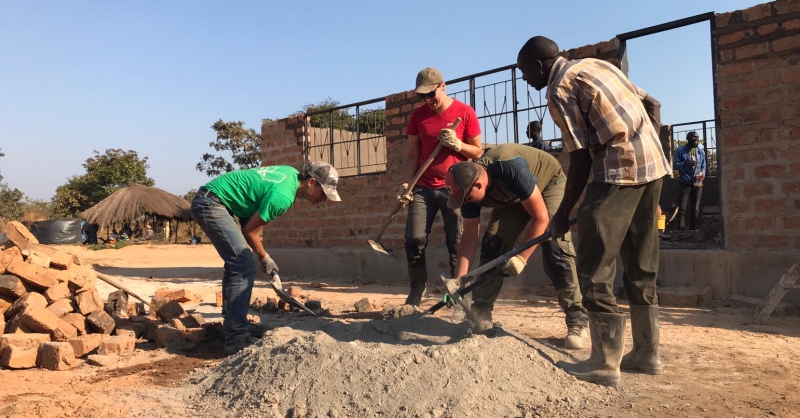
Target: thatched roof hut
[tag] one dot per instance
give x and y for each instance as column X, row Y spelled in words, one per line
column 135, row 201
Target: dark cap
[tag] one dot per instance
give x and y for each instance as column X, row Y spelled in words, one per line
column 460, row 178
column 326, row 175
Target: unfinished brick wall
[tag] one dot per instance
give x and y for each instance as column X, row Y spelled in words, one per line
column 758, row 85
column 366, row 199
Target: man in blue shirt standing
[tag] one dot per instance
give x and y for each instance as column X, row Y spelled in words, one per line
column 690, row 161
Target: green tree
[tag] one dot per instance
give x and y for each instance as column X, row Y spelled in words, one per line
column 105, row 174
column 11, row 203
column 242, row 145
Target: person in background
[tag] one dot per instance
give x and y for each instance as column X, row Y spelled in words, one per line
column 534, row 133
column 690, row 161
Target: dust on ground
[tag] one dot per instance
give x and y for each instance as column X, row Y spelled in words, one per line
column 716, row 361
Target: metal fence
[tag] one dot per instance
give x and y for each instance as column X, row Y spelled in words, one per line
column 707, row 131
column 350, row 137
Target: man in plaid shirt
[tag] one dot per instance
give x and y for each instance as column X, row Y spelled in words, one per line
column 609, row 127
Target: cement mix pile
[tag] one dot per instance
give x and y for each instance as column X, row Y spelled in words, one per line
column 415, row 366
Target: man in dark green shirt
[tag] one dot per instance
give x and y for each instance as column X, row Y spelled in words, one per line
column 256, row 196
column 524, row 186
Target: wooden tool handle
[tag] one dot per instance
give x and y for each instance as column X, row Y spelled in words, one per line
column 114, row 282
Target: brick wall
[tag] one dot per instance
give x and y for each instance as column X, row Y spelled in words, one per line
column 758, row 85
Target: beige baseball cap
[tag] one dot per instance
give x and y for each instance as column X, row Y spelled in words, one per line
column 428, row 79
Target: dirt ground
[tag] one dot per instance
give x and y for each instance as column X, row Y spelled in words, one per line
column 716, row 362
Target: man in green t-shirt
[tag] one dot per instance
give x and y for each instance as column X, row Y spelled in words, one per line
column 267, row 192
column 524, row 186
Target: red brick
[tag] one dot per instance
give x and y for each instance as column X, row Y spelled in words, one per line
column 732, row 37
column 735, row 102
column 12, row 287
column 100, row 321
column 57, row 292
column 137, row 329
column 790, row 77
column 57, row 356
column 794, row 168
column 769, row 97
column 78, row 278
column 86, row 344
column 102, row 361
column 120, row 345
column 19, row 235
column 136, row 309
column 7, row 256
column 76, row 320
column 771, row 241
column 117, row 304
column 195, row 335
column 58, row 259
column 165, row 336
column 757, row 83
column 783, row 7
column 767, row 29
column 791, row 187
column 783, row 44
column 36, row 258
column 760, row 223
column 61, row 308
column 5, row 305
column 740, row 206
column 757, row 12
column 766, row 171
column 179, row 295
column 170, row 311
column 23, row 340
column 791, row 24
column 766, row 206
column 722, row 19
column 88, row 301
column 755, row 190
column 791, row 222
column 763, row 115
column 31, row 300
column 39, row 277
column 155, row 304
column 753, row 50
column 45, row 322
column 18, row 358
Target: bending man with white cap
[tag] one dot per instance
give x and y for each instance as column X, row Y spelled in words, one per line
column 267, row 192
column 428, row 126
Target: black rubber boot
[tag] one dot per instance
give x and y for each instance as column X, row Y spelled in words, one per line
column 607, row 331
column 644, row 327
column 418, row 276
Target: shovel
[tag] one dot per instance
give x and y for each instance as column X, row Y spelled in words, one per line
column 376, row 246
column 275, row 282
column 497, row 262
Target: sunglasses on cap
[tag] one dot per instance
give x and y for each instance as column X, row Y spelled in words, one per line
column 430, row 95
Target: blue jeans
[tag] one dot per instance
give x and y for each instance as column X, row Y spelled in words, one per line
column 240, row 269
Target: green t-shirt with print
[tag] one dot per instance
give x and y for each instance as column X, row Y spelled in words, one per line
column 268, row 191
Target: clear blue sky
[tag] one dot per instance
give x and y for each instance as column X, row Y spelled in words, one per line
column 154, row 76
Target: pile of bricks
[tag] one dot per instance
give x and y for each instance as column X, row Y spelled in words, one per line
column 52, row 316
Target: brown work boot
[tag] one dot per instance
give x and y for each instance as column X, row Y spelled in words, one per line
column 577, row 335
column 644, row 327
column 607, row 331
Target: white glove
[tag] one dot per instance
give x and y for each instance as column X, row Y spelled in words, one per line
column 267, row 265
column 448, row 138
column 405, row 196
column 514, row 266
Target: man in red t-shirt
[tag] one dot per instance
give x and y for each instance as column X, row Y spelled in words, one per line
column 428, row 126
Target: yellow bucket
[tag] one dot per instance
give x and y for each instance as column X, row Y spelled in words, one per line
column 662, row 222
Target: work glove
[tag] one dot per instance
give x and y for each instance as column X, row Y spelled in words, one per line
column 405, row 197
column 267, row 264
column 447, row 137
column 448, row 299
column 514, row 266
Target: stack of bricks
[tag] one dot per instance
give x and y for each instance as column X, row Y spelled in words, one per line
column 53, row 317
column 758, row 86
column 50, row 311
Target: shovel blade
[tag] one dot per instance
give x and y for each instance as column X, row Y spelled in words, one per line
column 382, row 252
column 277, row 286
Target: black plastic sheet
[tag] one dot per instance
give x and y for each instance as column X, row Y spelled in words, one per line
column 57, row 231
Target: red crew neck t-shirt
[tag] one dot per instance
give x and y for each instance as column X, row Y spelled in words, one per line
column 426, row 123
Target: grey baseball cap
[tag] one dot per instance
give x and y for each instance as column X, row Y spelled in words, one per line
column 428, row 79
column 326, row 175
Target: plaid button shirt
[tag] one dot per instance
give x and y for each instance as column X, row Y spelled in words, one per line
column 597, row 108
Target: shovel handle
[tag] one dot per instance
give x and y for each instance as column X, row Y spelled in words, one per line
column 485, row 271
column 399, row 205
